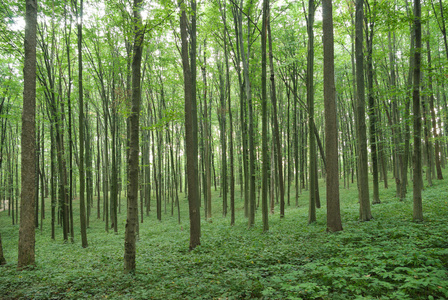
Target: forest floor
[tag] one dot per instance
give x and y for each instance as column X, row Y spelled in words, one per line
column 389, row 257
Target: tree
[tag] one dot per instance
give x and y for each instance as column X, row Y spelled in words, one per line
column 276, row 125
column 82, row 181
column 363, row 180
column 133, row 169
column 2, row 258
column 26, row 230
column 331, row 129
column 264, row 133
column 191, row 126
column 418, row 180
column 310, row 103
column 372, row 109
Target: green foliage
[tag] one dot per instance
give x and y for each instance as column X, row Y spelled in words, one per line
column 389, row 258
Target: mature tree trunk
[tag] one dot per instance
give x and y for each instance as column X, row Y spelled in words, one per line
column 264, row 120
column 2, row 257
column 310, row 103
column 82, row 203
column 132, row 196
column 407, row 114
column 114, row 175
column 250, row 179
column 232, row 167
column 207, row 137
column 98, row 163
column 240, row 57
column 363, row 172
column 89, row 175
column 372, row 108
column 331, row 129
column 26, row 230
column 191, row 128
column 68, row 30
column 418, row 181
column 53, row 182
column 433, row 113
column 276, row 125
column 222, row 117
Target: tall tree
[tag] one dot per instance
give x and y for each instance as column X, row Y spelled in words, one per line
column 363, row 172
column 276, row 125
column 310, row 103
column 191, row 126
column 370, row 23
column 331, row 129
column 264, row 121
column 133, row 169
column 26, row 256
column 418, row 180
column 82, row 181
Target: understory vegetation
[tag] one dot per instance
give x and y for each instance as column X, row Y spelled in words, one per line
column 390, row 257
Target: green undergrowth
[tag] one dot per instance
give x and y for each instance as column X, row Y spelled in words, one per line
column 389, row 257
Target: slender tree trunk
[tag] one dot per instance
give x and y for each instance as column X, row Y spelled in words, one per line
column 82, row 203
column 433, row 113
column 264, row 121
column 418, row 181
column 310, row 103
column 52, row 182
column 26, row 230
column 276, row 133
column 372, row 109
column 363, row 180
column 2, row 257
column 132, row 196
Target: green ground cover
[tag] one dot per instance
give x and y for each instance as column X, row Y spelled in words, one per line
column 390, row 257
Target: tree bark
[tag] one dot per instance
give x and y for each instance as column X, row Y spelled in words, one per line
column 372, row 109
column 363, row 179
column 26, row 256
column 82, row 203
column 418, row 181
column 310, row 102
column 276, row 125
column 2, row 257
column 191, row 133
column 331, row 129
column 264, row 121
column 132, row 196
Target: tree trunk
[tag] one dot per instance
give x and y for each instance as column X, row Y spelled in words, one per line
column 418, row 181
column 276, row 125
column 2, row 257
column 310, row 103
column 82, row 204
column 331, row 129
column 191, row 132
column 433, row 113
column 372, row 109
column 26, row 230
column 132, row 196
column 363, row 180
column 264, row 120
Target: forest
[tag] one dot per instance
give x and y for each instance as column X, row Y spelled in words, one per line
column 228, row 149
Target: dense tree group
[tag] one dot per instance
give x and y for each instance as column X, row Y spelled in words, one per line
column 261, row 98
